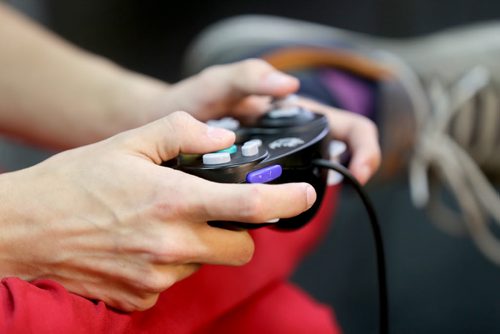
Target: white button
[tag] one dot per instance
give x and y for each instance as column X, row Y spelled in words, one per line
column 289, row 142
column 285, row 112
column 227, row 123
column 290, row 100
column 336, row 149
column 257, row 141
column 250, row 149
column 216, row 158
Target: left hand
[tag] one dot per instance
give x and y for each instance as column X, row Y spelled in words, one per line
column 239, row 89
column 244, row 89
column 358, row 132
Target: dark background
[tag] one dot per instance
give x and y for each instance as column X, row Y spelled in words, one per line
column 437, row 283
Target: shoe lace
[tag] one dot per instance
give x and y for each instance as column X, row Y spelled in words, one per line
column 446, row 155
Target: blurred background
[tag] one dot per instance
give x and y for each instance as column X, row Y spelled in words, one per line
column 437, row 283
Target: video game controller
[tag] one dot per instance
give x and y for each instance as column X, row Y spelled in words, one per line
column 278, row 148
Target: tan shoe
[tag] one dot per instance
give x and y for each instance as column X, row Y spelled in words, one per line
column 439, row 112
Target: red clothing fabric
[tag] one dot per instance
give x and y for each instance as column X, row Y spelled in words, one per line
column 255, row 298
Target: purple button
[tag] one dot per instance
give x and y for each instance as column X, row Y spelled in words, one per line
column 264, row 175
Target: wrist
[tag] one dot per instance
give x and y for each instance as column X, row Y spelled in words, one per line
column 18, row 228
column 116, row 100
column 135, row 100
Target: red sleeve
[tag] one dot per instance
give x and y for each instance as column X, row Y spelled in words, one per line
column 44, row 306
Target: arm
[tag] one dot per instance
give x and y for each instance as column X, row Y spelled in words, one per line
column 108, row 223
column 56, row 94
column 101, row 218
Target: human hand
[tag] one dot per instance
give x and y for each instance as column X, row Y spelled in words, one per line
column 243, row 89
column 110, row 224
column 239, row 89
column 358, row 132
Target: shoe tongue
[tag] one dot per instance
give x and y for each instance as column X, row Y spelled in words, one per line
column 476, row 128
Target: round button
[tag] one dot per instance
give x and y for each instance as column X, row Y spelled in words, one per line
column 250, row 149
column 337, row 148
column 251, row 141
column 284, row 112
column 216, row 158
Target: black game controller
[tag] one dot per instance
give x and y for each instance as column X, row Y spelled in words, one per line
column 278, row 148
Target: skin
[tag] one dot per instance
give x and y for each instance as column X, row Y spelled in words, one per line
column 103, row 218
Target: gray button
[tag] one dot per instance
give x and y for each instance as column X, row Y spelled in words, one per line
column 216, row 158
column 285, row 112
column 250, row 149
column 290, row 100
column 289, row 142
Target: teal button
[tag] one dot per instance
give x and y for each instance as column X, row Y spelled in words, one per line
column 231, row 149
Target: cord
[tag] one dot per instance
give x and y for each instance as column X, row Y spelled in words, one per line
column 377, row 237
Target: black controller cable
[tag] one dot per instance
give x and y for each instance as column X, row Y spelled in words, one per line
column 377, row 237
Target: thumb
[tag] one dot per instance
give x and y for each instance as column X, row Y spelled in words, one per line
column 176, row 133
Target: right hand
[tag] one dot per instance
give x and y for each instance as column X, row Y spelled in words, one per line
column 110, row 224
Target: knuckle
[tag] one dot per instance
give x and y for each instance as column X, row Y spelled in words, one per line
column 164, row 250
column 178, row 118
column 368, row 125
column 253, row 206
column 171, row 248
column 143, row 302
column 249, row 66
column 157, row 282
column 210, row 74
column 164, row 209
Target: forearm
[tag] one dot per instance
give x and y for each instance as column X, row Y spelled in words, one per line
column 56, row 94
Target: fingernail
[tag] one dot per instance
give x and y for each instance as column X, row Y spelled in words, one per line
column 218, row 133
column 277, row 80
column 311, row 196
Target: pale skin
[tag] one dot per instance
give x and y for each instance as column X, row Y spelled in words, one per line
column 103, row 218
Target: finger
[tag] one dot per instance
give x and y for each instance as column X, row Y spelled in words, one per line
column 361, row 136
column 248, row 77
column 197, row 242
column 366, row 155
column 222, row 247
column 176, row 133
column 167, row 274
column 180, row 271
column 358, row 132
column 254, row 203
column 251, row 107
